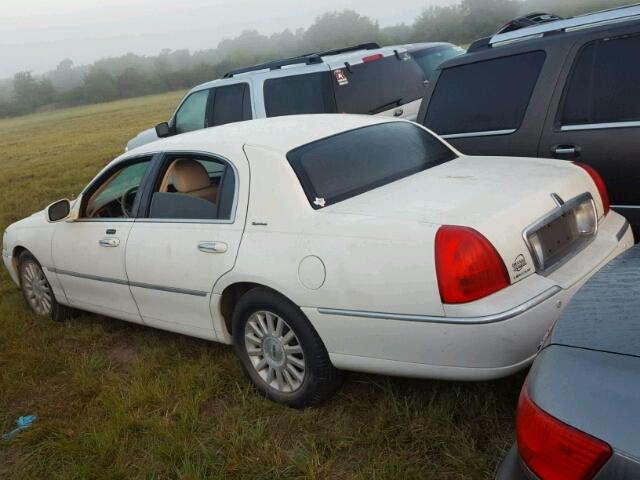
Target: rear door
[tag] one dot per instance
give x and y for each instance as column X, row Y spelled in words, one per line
column 189, row 237
column 595, row 116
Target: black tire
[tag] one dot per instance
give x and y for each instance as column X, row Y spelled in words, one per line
column 55, row 312
column 321, row 379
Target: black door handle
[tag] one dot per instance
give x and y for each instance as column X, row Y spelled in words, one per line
column 566, row 151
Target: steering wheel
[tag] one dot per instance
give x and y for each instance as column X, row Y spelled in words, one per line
column 126, row 201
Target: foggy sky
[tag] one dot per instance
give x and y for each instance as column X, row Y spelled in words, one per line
column 36, row 34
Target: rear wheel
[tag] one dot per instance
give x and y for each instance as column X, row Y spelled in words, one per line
column 36, row 290
column 281, row 352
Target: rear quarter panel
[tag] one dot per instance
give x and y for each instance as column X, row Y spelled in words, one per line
column 361, row 262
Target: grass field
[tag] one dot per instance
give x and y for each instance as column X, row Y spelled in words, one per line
column 120, row 401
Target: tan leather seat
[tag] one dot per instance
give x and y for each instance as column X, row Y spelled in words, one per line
column 191, row 178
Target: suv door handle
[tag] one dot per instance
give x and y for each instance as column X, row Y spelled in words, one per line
column 213, row 247
column 566, row 151
column 109, row 242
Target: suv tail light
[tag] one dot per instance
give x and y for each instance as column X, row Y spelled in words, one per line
column 554, row 450
column 597, row 179
column 467, row 265
column 372, row 58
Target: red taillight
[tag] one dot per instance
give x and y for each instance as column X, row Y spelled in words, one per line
column 467, row 265
column 554, row 450
column 597, row 179
column 372, row 58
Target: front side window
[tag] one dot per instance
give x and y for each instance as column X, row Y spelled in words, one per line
column 231, row 104
column 605, row 83
column 351, row 163
column 194, row 188
column 192, row 113
column 487, row 96
column 299, row 94
column 116, row 195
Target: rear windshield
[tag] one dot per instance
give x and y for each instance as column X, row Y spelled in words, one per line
column 351, row 163
column 299, row 94
column 378, row 85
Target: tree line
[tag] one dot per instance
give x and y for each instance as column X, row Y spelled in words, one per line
column 132, row 75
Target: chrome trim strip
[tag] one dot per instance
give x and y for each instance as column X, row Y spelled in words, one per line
column 117, row 281
column 195, row 293
column 599, row 126
column 496, row 317
column 625, row 206
column 623, row 231
column 490, row 133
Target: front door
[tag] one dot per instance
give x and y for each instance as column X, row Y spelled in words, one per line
column 189, row 239
column 89, row 253
column 596, row 117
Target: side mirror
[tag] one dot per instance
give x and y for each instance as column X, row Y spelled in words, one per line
column 58, row 210
column 163, row 130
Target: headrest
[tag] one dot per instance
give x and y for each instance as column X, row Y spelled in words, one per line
column 189, row 176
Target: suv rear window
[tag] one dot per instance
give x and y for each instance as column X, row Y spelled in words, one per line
column 487, row 96
column 605, row 83
column 351, row 163
column 378, row 85
column 299, row 94
column 430, row 58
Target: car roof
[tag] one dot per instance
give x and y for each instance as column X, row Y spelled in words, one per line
column 264, row 132
column 537, row 43
column 416, row 47
column 332, row 61
column 603, row 315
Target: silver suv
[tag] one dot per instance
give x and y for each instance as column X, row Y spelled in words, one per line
column 365, row 79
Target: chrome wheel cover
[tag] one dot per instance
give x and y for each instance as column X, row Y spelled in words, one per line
column 36, row 288
column 274, row 351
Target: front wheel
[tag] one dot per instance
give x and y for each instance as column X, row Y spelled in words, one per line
column 37, row 292
column 281, row 352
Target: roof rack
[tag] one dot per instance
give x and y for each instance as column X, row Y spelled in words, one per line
column 529, row 20
column 307, row 59
column 540, row 28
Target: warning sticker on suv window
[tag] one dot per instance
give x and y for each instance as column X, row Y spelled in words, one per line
column 341, row 77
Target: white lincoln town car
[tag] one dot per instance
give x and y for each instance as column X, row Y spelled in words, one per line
column 322, row 243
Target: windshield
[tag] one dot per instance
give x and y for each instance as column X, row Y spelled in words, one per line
column 351, row 163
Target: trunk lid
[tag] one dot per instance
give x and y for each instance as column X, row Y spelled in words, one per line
column 498, row 196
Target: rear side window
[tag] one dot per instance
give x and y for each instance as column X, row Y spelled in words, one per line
column 605, row 83
column 192, row 112
column 351, row 163
column 299, row 94
column 194, row 188
column 378, row 85
column 487, row 96
column 231, row 104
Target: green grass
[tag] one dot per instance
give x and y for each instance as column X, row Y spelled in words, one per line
column 121, row 401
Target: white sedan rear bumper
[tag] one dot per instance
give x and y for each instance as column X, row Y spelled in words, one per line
column 487, row 339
